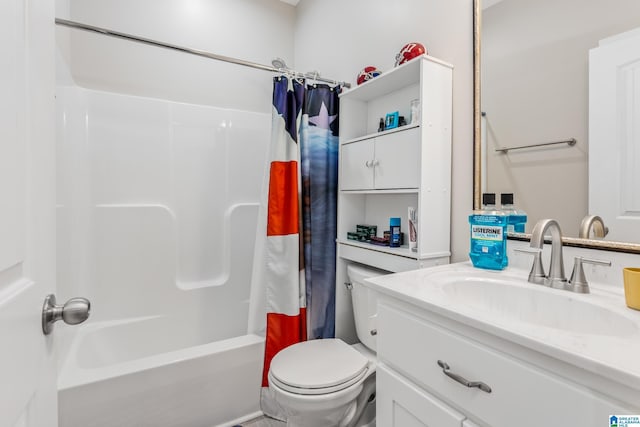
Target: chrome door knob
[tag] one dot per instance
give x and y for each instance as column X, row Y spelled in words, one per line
column 73, row 312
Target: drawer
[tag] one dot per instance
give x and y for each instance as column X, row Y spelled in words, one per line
column 521, row 394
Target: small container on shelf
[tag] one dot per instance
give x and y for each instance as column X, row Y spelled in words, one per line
column 368, row 230
column 415, row 111
column 394, row 228
column 387, row 235
column 359, row 237
column 380, row 241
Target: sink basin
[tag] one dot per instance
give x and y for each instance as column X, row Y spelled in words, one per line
column 517, row 300
column 595, row 332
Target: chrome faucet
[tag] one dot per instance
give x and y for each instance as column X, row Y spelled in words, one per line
column 556, row 278
column 593, row 222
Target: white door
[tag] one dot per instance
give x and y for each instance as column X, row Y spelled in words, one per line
column 398, row 160
column 357, row 163
column 614, row 135
column 27, row 212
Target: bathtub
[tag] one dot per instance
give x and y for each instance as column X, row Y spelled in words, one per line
column 133, row 373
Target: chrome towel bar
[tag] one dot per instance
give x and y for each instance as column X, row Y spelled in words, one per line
column 571, row 142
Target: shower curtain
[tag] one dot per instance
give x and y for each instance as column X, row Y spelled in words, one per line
column 319, row 155
column 294, row 261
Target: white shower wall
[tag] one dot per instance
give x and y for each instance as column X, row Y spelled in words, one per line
column 157, row 207
column 253, row 30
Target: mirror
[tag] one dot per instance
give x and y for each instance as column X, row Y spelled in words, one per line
column 531, row 81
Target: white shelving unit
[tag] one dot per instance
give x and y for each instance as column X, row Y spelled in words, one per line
column 383, row 173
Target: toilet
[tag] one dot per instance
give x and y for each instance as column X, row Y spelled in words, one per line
column 328, row 382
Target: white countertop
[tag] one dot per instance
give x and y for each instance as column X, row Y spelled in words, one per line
column 594, row 346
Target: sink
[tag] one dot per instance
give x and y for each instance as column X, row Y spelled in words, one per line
column 594, row 332
column 516, row 300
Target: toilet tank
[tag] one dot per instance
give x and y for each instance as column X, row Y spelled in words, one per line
column 364, row 303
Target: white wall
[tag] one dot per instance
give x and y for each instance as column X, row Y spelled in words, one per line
column 535, row 89
column 253, row 30
column 340, row 38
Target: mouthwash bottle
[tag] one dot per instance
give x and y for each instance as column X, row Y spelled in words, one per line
column 517, row 219
column 488, row 240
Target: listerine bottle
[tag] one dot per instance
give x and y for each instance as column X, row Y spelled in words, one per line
column 517, row 219
column 488, row 240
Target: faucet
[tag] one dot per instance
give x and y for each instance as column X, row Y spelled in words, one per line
column 556, row 278
column 595, row 222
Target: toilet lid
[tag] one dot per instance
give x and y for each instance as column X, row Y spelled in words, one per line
column 317, row 367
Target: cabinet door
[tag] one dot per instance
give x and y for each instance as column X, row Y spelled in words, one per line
column 357, row 165
column 398, row 160
column 399, row 403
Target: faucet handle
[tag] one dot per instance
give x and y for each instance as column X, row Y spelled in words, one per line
column 578, row 281
column 536, row 275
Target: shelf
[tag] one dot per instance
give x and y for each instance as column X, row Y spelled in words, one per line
column 384, row 132
column 402, row 251
column 385, row 191
column 391, row 81
column 411, row 173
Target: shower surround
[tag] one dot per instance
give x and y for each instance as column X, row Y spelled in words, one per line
column 157, row 208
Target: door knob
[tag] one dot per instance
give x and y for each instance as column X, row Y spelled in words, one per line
column 74, row 311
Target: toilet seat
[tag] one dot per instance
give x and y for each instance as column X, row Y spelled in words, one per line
column 317, row 367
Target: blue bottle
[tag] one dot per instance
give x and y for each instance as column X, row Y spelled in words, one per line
column 488, row 239
column 517, row 219
column 394, row 228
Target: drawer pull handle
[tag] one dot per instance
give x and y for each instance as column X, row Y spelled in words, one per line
column 445, row 369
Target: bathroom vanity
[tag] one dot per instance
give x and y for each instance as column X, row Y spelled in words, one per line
column 529, row 355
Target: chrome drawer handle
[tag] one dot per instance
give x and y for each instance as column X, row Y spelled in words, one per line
column 445, row 369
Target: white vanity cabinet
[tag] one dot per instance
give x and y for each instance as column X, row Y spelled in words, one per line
column 413, row 386
column 381, row 174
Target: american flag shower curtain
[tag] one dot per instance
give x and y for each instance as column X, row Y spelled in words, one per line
column 293, row 280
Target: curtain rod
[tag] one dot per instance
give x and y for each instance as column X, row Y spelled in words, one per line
column 197, row 52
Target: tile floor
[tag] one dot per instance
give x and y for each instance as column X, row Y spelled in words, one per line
column 263, row 422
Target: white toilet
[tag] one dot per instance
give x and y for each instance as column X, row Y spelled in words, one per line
column 327, row 382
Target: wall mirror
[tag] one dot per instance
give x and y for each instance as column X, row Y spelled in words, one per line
column 535, row 75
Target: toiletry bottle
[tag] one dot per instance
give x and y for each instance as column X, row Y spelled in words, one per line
column 394, row 227
column 412, row 220
column 381, row 125
column 415, row 111
column 488, row 247
column 517, row 219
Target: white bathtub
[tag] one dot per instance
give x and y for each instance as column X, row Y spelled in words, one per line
column 134, row 373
